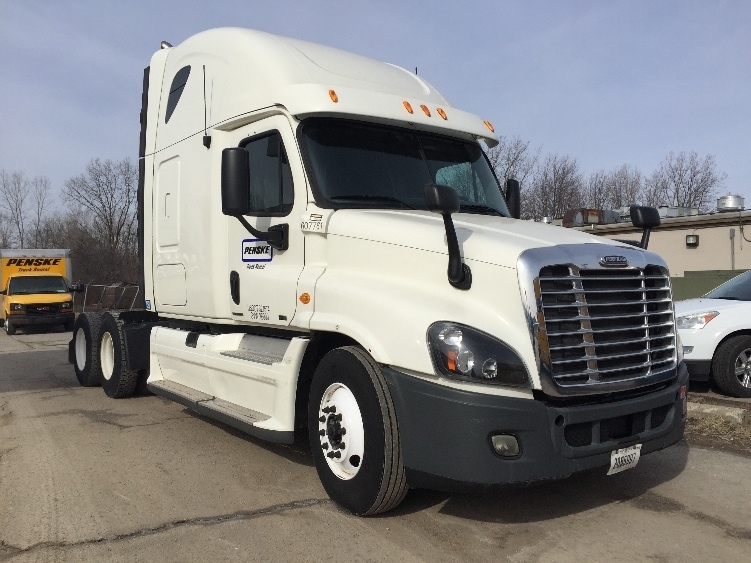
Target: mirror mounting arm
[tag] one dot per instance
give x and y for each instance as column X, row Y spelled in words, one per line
column 277, row 235
column 459, row 274
column 445, row 200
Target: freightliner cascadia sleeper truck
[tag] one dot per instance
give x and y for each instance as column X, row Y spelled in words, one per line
column 325, row 246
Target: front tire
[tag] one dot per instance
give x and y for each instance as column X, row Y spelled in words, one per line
column 731, row 367
column 10, row 328
column 354, row 434
column 86, row 349
column 117, row 380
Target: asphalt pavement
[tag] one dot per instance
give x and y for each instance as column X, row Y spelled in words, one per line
column 87, row 478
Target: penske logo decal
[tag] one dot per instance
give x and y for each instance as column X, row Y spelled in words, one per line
column 33, row 261
column 256, row 250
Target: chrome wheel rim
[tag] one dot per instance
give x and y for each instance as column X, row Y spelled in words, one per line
column 743, row 368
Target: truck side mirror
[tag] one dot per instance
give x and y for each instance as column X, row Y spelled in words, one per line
column 513, row 198
column 645, row 218
column 445, row 200
column 235, row 181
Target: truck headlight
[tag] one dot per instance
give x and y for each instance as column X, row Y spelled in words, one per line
column 464, row 353
column 697, row 320
column 66, row 305
column 17, row 307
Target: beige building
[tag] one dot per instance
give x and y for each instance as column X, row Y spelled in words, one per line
column 696, row 243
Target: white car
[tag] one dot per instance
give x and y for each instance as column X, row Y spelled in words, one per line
column 716, row 333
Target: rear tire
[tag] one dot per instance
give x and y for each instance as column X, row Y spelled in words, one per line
column 367, row 476
column 86, row 349
column 731, row 366
column 117, row 380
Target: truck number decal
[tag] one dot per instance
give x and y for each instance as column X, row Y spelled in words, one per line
column 256, row 250
column 313, row 222
column 259, row 312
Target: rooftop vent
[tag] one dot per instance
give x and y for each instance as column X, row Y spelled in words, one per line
column 730, row 203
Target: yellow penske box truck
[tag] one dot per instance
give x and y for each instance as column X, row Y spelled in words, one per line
column 35, row 288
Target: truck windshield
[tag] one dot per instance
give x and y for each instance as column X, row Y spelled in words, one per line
column 24, row 285
column 362, row 165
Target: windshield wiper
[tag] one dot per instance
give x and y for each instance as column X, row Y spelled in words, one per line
column 361, row 197
column 478, row 208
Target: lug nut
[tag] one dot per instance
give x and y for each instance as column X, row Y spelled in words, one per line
column 322, row 419
column 325, row 445
column 321, row 432
column 333, row 455
column 343, row 431
column 341, row 445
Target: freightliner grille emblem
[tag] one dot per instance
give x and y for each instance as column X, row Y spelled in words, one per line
column 614, row 261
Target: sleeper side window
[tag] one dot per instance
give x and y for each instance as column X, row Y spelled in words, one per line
column 271, row 190
column 176, row 90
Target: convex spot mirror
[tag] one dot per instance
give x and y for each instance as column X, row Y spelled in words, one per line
column 441, row 199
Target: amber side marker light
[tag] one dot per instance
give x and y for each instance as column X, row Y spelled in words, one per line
column 408, row 106
column 333, row 96
column 442, row 114
column 489, row 126
column 425, row 110
column 305, row 298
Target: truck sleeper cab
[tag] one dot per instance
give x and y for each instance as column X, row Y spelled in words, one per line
column 325, row 246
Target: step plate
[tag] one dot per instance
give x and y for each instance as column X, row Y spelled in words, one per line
column 256, row 357
column 223, row 411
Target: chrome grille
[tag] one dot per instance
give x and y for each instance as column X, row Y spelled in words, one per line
column 597, row 326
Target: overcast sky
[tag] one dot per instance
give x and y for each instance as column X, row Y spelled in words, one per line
column 608, row 83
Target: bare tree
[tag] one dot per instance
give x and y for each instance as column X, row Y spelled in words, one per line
column 557, row 186
column 611, row 190
column 625, row 186
column 40, row 202
column 5, row 231
column 686, row 180
column 13, row 193
column 512, row 158
column 595, row 193
column 108, row 192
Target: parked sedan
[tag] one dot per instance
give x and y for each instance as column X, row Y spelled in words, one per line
column 716, row 333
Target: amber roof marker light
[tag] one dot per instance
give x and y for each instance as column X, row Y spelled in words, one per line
column 442, row 114
column 333, row 96
column 489, row 126
column 425, row 109
column 407, row 106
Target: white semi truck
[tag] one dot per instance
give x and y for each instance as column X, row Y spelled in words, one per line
column 325, row 246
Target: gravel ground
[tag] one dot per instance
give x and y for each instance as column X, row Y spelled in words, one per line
column 714, row 432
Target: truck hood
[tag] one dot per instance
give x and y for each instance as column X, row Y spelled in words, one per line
column 485, row 238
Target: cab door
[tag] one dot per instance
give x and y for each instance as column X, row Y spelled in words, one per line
column 262, row 288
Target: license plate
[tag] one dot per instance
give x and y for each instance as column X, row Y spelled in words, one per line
column 623, row 459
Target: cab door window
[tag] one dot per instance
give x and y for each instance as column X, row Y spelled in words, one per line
column 271, row 190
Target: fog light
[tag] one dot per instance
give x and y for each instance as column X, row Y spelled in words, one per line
column 505, row 445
